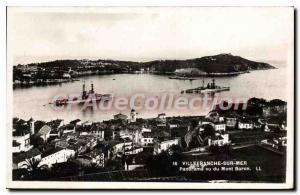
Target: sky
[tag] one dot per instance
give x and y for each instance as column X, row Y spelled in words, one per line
column 142, row 34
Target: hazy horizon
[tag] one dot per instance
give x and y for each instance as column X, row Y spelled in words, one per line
column 143, row 34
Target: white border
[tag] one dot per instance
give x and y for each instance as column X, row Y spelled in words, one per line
column 144, row 185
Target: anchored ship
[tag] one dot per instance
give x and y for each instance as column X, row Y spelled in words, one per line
column 209, row 88
column 86, row 96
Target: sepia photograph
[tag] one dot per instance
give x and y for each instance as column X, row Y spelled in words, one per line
column 150, row 97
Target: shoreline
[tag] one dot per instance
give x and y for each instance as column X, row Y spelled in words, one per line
column 27, row 84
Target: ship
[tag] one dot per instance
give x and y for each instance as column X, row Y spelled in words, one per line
column 209, row 88
column 85, row 96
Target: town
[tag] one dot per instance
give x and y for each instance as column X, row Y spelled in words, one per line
column 131, row 148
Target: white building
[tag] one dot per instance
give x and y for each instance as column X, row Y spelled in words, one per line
column 133, row 115
column 66, row 76
column 146, row 141
column 134, row 150
column 143, row 137
column 219, row 140
column 220, row 126
column 245, row 124
column 171, row 126
column 21, row 142
column 56, row 155
column 120, row 147
column 165, row 145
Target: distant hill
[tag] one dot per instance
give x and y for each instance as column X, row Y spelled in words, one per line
column 222, row 63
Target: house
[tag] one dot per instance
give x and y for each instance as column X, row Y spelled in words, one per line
column 231, row 122
column 56, row 155
column 162, row 117
column 92, row 129
column 133, row 115
column 161, row 120
column 69, row 128
column 20, row 159
column 97, row 157
column 189, row 72
column 121, row 147
column 90, row 141
column 146, row 139
column 143, row 137
column 133, row 162
column 120, row 117
column 134, row 150
column 171, row 125
column 165, row 145
column 66, row 76
column 245, row 124
column 276, row 143
column 21, row 138
column 87, row 123
column 219, row 126
column 126, row 134
column 76, row 122
column 55, row 124
column 231, row 119
column 62, row 143
column 44, row 132
column 219, row 140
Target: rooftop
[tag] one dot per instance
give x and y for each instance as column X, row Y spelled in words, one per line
column 44, row 130
column 51, row 151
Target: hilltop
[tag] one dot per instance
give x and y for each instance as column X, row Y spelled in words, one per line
column 222, row 63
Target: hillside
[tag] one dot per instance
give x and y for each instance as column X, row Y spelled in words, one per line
column 222, row 63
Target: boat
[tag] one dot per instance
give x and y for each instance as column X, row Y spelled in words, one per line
column 86, row 96
column 182, row 78
column 209, row 88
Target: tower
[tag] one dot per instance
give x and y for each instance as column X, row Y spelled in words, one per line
column 31, row 125
column 133, row 116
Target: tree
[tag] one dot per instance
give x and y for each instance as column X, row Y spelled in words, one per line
column 37, row 142
column 208, row 131
column 33, row 166
column 194, row 124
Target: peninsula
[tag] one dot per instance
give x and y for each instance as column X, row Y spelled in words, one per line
column 66, row 70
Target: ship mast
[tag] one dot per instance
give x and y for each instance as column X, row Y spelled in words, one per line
column 83, row 90
column 83, row 87
column 92, row 87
